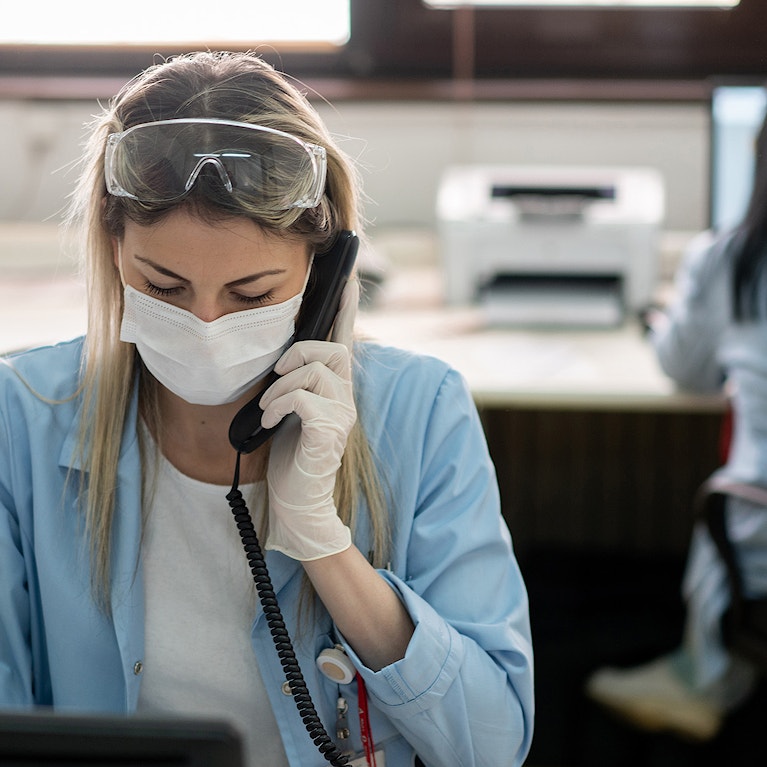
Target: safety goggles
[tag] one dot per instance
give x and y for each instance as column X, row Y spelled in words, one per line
column 159, row 162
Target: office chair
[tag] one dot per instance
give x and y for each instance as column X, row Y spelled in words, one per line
column 744, row 625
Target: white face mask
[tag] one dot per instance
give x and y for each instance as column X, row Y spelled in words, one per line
column 207, row 363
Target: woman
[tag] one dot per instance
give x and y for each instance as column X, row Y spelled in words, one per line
column 210, row 192
column 715, row 335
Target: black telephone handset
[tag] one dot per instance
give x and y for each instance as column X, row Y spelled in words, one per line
column 330, row 272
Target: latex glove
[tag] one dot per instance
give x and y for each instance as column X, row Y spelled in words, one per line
column 314, row 396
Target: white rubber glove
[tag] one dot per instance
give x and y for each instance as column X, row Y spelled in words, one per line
column 314, row 395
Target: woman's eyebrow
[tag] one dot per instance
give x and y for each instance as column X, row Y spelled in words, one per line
column 254, row 277
column 235, row 283
column 161, row 269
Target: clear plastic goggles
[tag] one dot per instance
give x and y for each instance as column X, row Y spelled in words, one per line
column 161, row 161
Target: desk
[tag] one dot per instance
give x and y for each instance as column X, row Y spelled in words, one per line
column 593, row 445
column 610, row 369
column 597, row 369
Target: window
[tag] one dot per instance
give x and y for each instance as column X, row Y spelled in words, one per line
column 398, row 48
column 586, row 3
column 177, row 22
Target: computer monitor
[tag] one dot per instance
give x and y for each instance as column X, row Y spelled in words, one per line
column 737, row 112
column 43, row 739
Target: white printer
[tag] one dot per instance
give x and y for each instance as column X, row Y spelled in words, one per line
column 550, row 245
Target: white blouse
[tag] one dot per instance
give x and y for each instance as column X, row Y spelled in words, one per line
column 200, row 605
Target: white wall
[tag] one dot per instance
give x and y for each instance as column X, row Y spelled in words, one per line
column 41, row 145
column 402, row 148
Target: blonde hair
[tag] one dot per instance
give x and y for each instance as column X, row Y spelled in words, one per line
column 233, row 86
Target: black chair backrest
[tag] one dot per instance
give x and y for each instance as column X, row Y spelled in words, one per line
column 744, row 626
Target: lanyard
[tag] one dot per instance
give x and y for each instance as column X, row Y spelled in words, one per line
column 365, row 734
column 335, row 665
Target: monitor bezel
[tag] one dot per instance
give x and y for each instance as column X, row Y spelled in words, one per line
column 51, row 739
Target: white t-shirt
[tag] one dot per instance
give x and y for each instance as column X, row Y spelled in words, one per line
column 200, row 604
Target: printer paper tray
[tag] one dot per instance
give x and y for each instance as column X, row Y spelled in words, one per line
column 556, row 303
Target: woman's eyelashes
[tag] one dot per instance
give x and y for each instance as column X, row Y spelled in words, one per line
column 160, row 292
column 264, row 298
column 156, row 290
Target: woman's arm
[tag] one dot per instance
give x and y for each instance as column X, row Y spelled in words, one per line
column 364, row 608
column 687, row 338
column 463, row 692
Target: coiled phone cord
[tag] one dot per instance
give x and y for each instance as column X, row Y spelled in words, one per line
column 276, row 624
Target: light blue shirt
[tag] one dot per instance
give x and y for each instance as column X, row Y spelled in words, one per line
column 463, row 693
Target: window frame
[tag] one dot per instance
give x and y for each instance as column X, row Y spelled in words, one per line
column 403, row 49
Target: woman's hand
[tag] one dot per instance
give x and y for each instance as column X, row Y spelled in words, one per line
column 316, row 392
column 315, row 385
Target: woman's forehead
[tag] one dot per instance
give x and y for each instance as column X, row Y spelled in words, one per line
column 183, row 238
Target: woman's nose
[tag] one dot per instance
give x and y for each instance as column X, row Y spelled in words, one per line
column 207, row 309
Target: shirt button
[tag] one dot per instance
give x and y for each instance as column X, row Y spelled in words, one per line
column 286, row 688
column 138, row 667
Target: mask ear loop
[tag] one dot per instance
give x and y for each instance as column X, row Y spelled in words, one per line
column 308, row 273
column 120, row 263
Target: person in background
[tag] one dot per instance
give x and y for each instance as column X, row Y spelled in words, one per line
column 210, row 192
column 713, row 338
